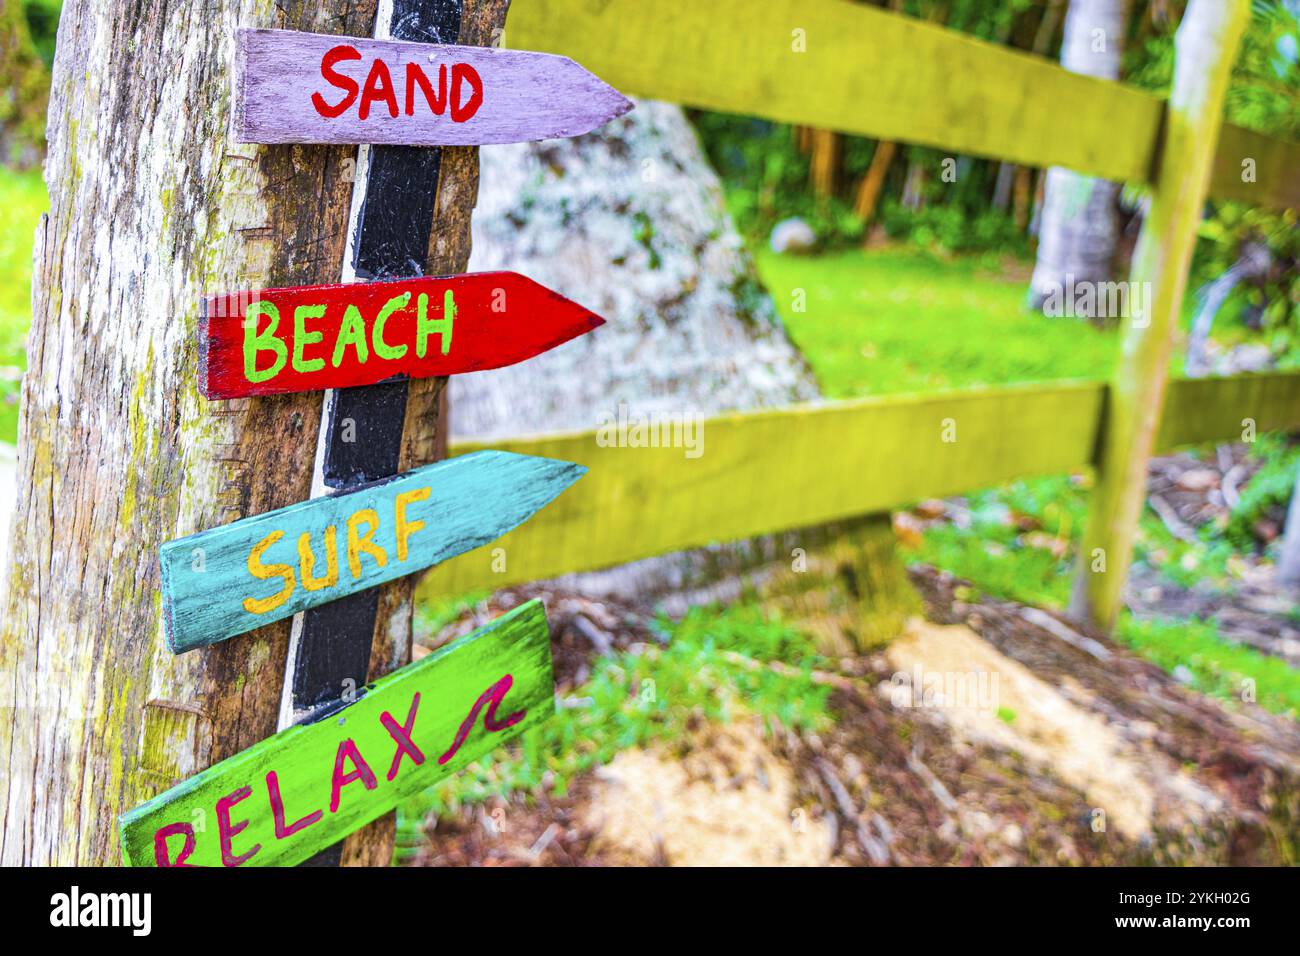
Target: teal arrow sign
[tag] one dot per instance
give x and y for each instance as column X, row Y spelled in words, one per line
column 232, row 579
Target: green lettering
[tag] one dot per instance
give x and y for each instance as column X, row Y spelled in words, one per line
column 255, row 341
column 426, row 326
column 302, row 338
column 382, row 348
column 352, row 333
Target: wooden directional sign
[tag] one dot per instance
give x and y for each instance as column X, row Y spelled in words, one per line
column 232, row 579
column 309, row 88
column 284, row 799
column 337, row 336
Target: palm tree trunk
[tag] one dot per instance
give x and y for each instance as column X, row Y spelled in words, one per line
column 1080, row 224
column 873, row 182
column 824, row 170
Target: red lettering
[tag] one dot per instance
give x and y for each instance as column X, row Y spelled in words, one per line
column 379, row 86
column 348, row 750
column 162, row 856
column 401, row 734
column 461, row 72
column 337, row 79
column 416, row 76
column 495, row 693
column 228, row 832
column 277, row 810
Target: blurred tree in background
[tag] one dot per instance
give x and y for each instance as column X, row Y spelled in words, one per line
column 887, row 190
column 1079, row 232
column 1264, row 96
column 773, row 172
column 26, row 48
column 43, row 22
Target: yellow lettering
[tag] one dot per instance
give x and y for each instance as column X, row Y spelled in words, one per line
column 255, row 342
column 352, row 333
column 303, row 338
column 407, row 528
column 424, row 326
column 357, row 543
column 264, row 572
column 382, row 348
column 306, row 561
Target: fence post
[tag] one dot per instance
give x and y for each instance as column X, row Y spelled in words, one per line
column 847, row 586
column 1206, row 46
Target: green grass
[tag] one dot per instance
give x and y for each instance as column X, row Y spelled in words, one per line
column 1004, row 562
column 22, row 200
column 898, row 320
column 1218, row 667
column 633, row 699
column 434, row 613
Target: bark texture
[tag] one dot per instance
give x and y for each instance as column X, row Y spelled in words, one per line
column 1080, row 219
column 150, row 205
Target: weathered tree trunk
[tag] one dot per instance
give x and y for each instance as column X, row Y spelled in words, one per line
column 1080, row 220
column 150, row 205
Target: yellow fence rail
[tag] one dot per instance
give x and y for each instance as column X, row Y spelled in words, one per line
column 858, row 69
column 796, row 467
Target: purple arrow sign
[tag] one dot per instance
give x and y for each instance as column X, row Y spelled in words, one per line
column 295, row 87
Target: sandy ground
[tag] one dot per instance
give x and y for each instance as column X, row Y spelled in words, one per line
column 1056, row 747
column 730, row 803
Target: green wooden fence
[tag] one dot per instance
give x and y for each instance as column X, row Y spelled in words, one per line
column 845, row 66
column 874, row 73
column 797, row 467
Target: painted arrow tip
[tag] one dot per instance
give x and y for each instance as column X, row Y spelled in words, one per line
column 616, row 104
column 363, row 333
column 233, row 579
column 292, row 87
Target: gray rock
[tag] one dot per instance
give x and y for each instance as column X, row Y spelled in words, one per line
column 629, row 222
column 793, row 235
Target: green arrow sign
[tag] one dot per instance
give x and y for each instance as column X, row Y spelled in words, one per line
column 281, row 801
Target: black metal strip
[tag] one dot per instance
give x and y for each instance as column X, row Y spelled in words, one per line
column 364, row 425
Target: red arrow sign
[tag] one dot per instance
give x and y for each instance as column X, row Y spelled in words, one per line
column 337, row 336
